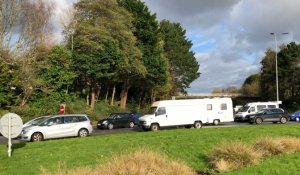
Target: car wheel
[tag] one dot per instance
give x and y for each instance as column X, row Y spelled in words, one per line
column 283, row 120
column 154, row 127
column 297, row 119
column 197, row 125
column 131, row 124
column 36, row 137
column 83, row 133
column 110, row 126
column 258, row 120
column 216, row 122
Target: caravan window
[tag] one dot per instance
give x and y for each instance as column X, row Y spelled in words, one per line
column 161, row 111
column 223, row 106
column 260, row 107
column 271, row 106
column 209, row 107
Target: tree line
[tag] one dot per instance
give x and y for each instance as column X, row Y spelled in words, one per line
column 113, row 50
column 263, row 84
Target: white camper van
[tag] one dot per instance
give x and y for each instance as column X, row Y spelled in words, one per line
column 252, row 108
column 187, row 113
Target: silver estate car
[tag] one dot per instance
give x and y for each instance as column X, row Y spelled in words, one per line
column 58, row 126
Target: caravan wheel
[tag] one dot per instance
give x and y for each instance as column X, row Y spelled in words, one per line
column 216, row 122
column 197, row 124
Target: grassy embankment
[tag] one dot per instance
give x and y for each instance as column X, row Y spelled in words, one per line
column 188, row 145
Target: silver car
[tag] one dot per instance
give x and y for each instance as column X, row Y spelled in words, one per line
column 58, row 126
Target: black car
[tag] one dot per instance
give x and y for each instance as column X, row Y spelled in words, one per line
column 116, row 120
column 274, row 115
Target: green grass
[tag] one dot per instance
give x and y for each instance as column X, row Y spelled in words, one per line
column 188, row 145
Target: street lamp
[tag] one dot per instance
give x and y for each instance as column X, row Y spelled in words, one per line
column 275, row 36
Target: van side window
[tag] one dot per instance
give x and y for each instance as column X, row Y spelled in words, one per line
column 209, row 107
column 260, row 107
column 271, row 106
column 223, row 106
column 252, row 109
column 161, row 111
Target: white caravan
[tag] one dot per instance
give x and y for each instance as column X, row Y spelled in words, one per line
column 194, row 112
column 254, row 107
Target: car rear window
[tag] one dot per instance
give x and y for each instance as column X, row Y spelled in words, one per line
column 82, row 118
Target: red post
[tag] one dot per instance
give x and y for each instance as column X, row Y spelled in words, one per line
column 62, row 108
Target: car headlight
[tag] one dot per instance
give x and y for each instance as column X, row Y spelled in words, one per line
column 24, row 131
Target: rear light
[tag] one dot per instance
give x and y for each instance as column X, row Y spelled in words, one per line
column 91, row 123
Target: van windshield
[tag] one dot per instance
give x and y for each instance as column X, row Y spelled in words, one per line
column 245, row 108
column 152, row 110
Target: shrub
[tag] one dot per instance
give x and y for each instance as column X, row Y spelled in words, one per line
column 274, row 146
column 232, row 156
column 141, row 162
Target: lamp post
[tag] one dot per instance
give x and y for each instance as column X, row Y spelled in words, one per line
column 276, row 67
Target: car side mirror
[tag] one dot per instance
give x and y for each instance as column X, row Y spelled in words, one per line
column 156, row 114
column 248, row 111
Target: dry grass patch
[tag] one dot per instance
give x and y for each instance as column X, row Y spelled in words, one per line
column 236, row 155
column 141, row 162
column 274, row 146
column 231, row 156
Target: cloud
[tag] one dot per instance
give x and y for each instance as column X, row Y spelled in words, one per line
column 230, row 37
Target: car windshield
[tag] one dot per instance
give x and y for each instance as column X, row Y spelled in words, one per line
column 37, row 121
column 244, row 109
column 152, row 110
column 49, row 121
column 111, row 116
column 262, row 111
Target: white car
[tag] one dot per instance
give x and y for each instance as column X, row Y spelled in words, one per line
column 58, row 126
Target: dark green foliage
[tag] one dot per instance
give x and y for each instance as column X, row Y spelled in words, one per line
column 7, row 74
column 58, row 75
column 148, row 40
column 288, row 75
column 183, row 64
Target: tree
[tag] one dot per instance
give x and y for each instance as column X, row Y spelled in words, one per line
column 7, row 74
column 58, row 75
column 289, row 71
column 183, row 64
column 251, row 86
column 104, row 46
column 149, row 42
column 268, row 84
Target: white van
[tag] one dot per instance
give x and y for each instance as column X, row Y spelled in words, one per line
column 194, row 112
column 254, row 107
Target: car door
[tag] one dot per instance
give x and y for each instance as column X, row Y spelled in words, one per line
column 68, row 128
column 53, row 129
column 269, row 115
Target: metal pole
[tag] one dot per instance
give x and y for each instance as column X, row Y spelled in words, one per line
column 9, row 136
column 277, row 92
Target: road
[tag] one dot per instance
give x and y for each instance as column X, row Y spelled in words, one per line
column 96, row 131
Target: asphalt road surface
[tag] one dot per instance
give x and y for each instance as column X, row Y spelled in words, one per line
column 96, row 131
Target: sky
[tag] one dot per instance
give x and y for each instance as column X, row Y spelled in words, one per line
column 229, row 36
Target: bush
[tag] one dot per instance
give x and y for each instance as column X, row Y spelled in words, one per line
column 274, row 146
column 231, row 156
column 141, row 162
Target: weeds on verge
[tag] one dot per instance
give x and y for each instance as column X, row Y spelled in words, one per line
column 141, row 162
column 236, row 155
